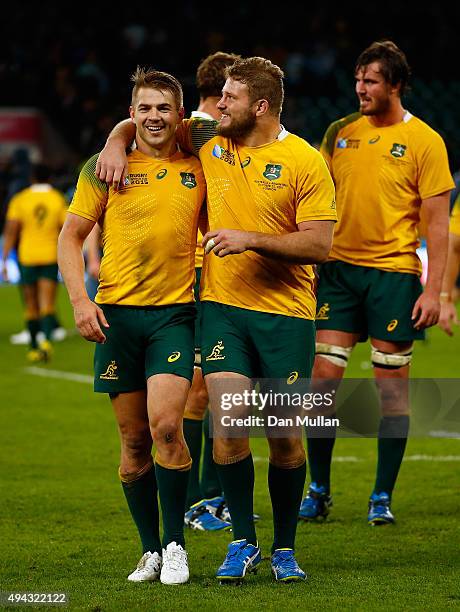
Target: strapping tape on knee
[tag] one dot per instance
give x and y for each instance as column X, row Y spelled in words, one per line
column 390, row 361
column 338, row 355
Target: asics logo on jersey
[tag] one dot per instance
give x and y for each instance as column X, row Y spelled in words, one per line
column 392, row 325
column 398, row 150
column 174, row 357
column 163, row 172
column 374, row 140
column 216, row 353
column 273, row 171
column 188, row 179
column 323, row 313
column 245, row 162
column 293, row 376
column 110, row 373
column 223, row 154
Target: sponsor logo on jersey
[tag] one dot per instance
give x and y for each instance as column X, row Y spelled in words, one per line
column 188, row 179
column 216, row 353
column 163, row 172
column 392, row 325
column 110, row 373
column 223, row 154
column 374, row 140
column 348, row 143
column 273, row 171
column 245, row 162
column 323, row 312
column 174, row 357
column 398, row 150
column 139, row 178
column 293, row 376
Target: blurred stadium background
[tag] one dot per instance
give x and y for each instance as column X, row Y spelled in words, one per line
column 64, row 82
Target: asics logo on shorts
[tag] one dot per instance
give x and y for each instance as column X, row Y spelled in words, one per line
column 216, row 353
column 174, row 356
column 392, row 325
column 293, row 376
column 110, row 373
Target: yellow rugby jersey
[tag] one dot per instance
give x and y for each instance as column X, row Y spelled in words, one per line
column 149, row 229
column 199, row 253
column 381, row 176
column 454, row 224
column 41, row 211
column 271, row 189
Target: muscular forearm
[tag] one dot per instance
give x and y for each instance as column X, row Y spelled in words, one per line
column 306, row 247
column 124, row 132
column 437, row 238
column 72, row 267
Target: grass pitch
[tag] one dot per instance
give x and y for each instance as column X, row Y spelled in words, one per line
column 65, row 526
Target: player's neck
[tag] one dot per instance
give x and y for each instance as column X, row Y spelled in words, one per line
column 395, row 114
column 263, row 133
column 209, row 106
column 167, row 150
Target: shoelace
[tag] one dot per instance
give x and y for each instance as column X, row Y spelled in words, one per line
column 143, row 561
column 289, row 562
column 238, row 552
column 174, row 558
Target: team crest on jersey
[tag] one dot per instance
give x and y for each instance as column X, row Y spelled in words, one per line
column 163, row 172
column 223, row 154
column 273, row 171
column 245, row 162
column 398, row 150
column 188, row 179
column 323, row 312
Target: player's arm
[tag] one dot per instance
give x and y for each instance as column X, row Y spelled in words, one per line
column 310, row 244
column 88, row 316
column 93, row 251
column 10, row 239
column 436, row 212
column 112, row 163
column 448, row 314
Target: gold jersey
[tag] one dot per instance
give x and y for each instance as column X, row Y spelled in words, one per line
column 381, row 176
column 199, row 253
column 149, row 229
column 454, row 225
column 41, row 211
column 270, row 189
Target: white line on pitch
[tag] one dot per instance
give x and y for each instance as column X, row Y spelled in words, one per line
column 81, row 378
column 408, row 458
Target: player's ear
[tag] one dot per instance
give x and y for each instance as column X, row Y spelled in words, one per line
column 262, row 107
column 181, row 113
column 131, row 113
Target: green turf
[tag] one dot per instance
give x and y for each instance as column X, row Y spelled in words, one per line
column 65, row 525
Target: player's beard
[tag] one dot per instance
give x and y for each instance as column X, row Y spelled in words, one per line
column 238, row 128
column 379, row 107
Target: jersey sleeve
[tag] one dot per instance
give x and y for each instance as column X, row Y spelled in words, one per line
column 91, row 194
column 192, row 134
column 315, row 191
column 434, row 175
column 14, row 209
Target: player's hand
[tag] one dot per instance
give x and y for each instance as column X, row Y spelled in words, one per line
column 226, row 242
column 89, row 318
column 448, row 317
column 112, row 164
column 426, row 310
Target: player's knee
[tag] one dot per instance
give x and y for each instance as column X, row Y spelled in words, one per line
column 330, row 356
column 287, row 452
column 166, row 432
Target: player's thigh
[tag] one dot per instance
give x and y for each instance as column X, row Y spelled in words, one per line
column 340, row 298
column 389, row 305
column 225, row 344
column 119, row 363
column 47, row 289
column 285, row 346
column 169, row 341
column 197, row 399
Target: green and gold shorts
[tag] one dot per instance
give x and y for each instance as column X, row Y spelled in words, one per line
column 141, row 342
column 256, row 344
column 368, row 301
